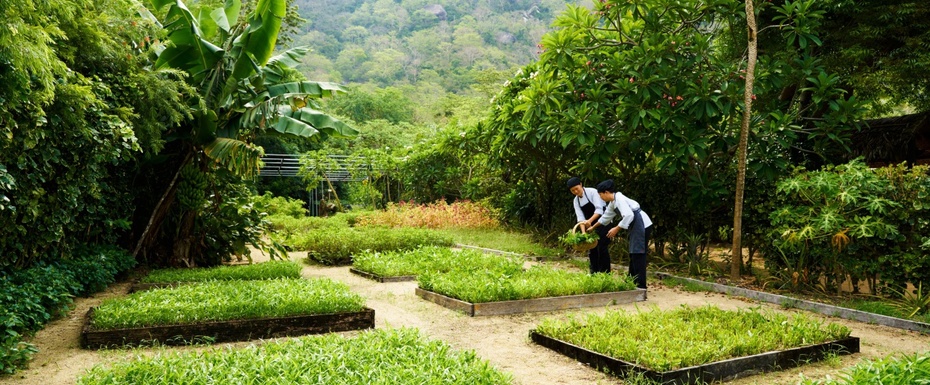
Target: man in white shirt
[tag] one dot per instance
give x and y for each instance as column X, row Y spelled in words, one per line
column 588, row 209
column 632, row 218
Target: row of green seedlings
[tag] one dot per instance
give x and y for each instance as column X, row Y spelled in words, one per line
column 274, row 290
column 336, row 246
column 904, row 369
column 477, row 277
column 683, row 337
column 375, row 356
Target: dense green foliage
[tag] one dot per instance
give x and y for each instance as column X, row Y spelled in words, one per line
column 506, row 280
column 267, row 270
column 376, row 357
column 79, row 105
column 31, row 297
column 851, row 221
column 902, row 370
column 683, row 337
column 227, row 300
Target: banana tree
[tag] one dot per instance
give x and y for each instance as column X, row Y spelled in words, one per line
column 242, row 92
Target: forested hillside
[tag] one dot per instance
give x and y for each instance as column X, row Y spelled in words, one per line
column 444, row 44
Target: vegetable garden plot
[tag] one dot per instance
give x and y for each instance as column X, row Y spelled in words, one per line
column 689, row 346
column 511, row 290
column 396, row 356
column 226, row 311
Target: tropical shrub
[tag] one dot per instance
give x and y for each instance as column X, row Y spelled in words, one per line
column 851, row 221
column 280, row 206
column 379, row 356
column 683, row 337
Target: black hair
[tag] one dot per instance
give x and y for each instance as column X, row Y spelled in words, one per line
column 573, row 181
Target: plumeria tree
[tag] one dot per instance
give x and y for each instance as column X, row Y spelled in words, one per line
column 634, row 87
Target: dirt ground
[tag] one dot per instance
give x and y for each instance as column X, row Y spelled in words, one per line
column 502, row 340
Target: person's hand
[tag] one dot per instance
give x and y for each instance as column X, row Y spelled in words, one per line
column 613, row 232
column 584, row 226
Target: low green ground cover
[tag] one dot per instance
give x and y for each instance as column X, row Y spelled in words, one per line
column 502, row 239
column 508, row 281
column 336, row 246
column 374, row 357
column 427, row 258
column 267, row 270
column 29, row 298
column 903, row 370
column 227, row 300
column 682, row 337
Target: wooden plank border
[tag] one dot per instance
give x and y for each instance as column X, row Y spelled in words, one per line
column 225, row 331
column 533, row 305
column 381, row 278
column 712, row 372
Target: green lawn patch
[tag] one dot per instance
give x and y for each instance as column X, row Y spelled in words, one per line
column 683, row 337
column 267, row 270
column 227, row 300
column 397, row 357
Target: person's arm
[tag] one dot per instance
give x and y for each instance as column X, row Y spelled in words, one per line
column 608, row 216
column 625, row 211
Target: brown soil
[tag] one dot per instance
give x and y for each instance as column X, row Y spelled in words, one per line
column 502, row 340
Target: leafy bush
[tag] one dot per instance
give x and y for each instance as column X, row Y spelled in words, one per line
column 30, row 298
column 906, row 369
column 851, row 221
column 258, row 271
column 379, row 356
column 283, row 206
column 436, row 215
column 674, row 339
column 336, row 246
column 227, row 300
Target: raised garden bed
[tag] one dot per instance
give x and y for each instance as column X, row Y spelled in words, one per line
column 257, row 309
column 708, row 373
column 379, row 278
column 377, row 356
column 224, row 331
column 533, row 305
column 693, row 345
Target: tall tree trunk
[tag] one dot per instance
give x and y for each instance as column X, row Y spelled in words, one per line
column 737, row 252
column 161, row 209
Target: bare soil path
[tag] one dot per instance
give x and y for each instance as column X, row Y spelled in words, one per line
column 502, row 340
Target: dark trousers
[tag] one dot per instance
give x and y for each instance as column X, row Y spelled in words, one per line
column 638, row 263
column 599, row 257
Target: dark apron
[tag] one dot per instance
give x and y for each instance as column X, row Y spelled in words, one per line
column 637, row 232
